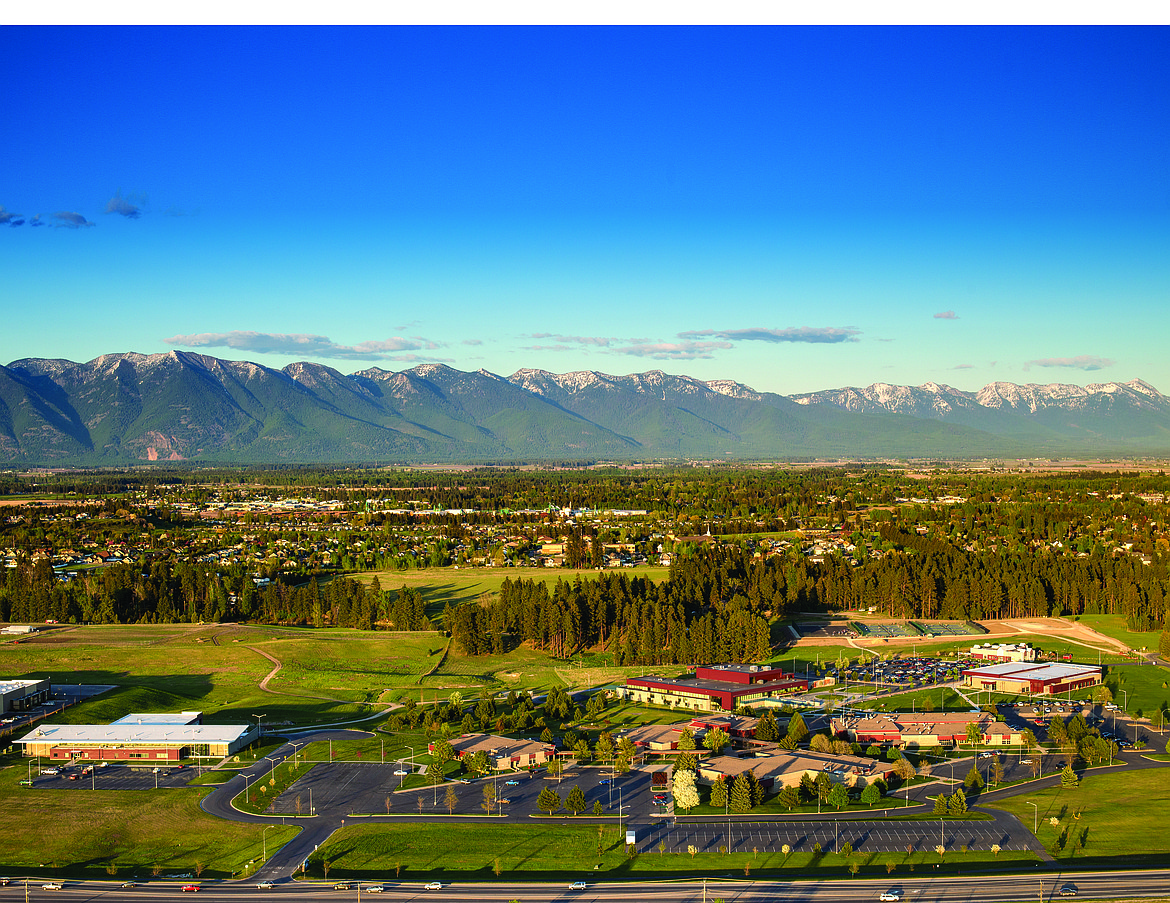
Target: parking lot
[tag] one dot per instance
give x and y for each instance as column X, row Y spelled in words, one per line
column 362, row 789
column 801, row 837
column 113, row 777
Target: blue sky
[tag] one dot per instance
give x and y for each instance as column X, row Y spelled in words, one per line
column 796, row 208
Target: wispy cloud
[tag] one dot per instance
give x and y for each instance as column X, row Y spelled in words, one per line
column 674, row 351
column 963, row 367
column 946, row 315
column 822, row 335
column 10, row 219
column 472, row 341
column 310, row 346
column 593, row 341
column 70, row 220
column 37, row 220
column 1080, row 362
column 124, row 205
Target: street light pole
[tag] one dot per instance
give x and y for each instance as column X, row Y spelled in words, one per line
column 259, row 726
column 264, row 840
column 1035, row 816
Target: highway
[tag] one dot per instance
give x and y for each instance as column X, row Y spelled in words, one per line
column 975, row 888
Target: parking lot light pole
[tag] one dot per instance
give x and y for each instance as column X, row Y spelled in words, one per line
column 264, row 840
column 1035, row 816
column 259, row 726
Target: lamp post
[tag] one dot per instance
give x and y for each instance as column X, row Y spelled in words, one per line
column 272, row 770
column 259, row 726
column 296, row 748
column 311, row 810
column 264, row 840
column 247, row 798
column 1035, row 816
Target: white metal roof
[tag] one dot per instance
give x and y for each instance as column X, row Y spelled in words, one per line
column 160, row 718
column 136, row 734
column 1034, row 670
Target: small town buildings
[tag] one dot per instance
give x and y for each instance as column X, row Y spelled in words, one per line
column 21, row 695
column 918, row 730
column 1004, row 652
column 1032, row 678
column 776, row 768
column 505, row 753
column 714, row 688
column 140, row 738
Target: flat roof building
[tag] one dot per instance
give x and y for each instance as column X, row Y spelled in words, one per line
column 21, row 695
column 1031, row 678
column 160, row 740
column 714, row 688
column 777, row 768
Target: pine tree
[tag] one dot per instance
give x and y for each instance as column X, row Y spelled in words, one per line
column 549, row 801
column 575, row 801
column 719, row 793
column 741, row 794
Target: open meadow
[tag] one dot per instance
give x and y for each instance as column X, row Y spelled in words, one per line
column 1108, row 821
column 121, row 833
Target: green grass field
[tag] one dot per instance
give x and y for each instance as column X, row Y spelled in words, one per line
column 1114, row 626
column 1115, row 812
column 1145, row 687
column 124, row 834
column 484, row 852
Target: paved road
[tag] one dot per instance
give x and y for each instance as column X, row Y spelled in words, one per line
column 975, row 888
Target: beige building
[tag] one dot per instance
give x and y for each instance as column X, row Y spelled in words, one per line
column 505, row 753
column 778, row 768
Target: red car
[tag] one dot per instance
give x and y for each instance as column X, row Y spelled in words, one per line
column 193, row 888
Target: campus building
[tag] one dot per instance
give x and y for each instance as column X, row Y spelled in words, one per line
column 922, row 730
column 714, row 688
column 145, row 738
column 1004, row 652
column 22, row 695
column 1032, row 678
column 505, row 753
column 776, row 768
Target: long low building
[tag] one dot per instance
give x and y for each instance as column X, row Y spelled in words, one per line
column 919, row 729
column 778, row 768
column 21, row 695
column 503, row 752
column 145, row 738
column 1032, row 678
column 714, row 688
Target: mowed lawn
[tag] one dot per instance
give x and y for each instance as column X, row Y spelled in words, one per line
column 104, row 833
column 1116, row 813
column 482, row 850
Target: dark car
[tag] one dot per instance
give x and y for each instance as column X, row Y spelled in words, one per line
column 1068, row 890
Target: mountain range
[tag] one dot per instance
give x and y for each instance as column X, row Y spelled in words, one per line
column 128, row 408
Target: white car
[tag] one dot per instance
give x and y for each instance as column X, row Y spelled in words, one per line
column 375, row 889
column 890, row 896
column 434, row 885
column 52, row 885
column 265, row 885
column 401, row 771
column 577, row 885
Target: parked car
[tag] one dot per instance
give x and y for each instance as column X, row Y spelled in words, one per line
column 401, row 771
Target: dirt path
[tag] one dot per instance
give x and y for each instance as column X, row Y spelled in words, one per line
column 276, row 670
